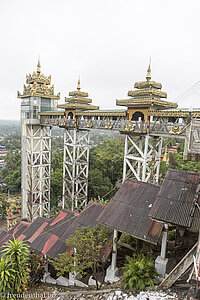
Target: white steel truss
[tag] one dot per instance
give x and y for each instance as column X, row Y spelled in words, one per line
column 142, row 158
column 75, row 168
column 37, row 171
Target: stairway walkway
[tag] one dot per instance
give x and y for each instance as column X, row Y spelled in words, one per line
column 182, row 266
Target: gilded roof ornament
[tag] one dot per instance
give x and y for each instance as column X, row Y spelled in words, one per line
column 148, row 77
column 79, row 85
column 78, row 100
column 38, row 85
column 38, row 66
column 147, row 93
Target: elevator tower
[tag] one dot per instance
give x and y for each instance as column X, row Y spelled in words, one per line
column 38, row 96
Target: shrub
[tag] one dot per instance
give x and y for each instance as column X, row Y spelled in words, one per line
column 37, row 265
column 16, row 254
column 139, row 272
column 172, row 235
column 7, row 276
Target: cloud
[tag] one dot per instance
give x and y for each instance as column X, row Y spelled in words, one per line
column 107, row 42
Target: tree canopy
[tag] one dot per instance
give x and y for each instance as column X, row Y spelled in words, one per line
column 86, row 252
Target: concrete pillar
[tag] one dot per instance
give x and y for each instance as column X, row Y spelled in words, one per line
column 71, row 279
column 112, row 271
column 161, row 260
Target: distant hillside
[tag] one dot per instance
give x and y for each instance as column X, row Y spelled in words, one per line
column 10, row 127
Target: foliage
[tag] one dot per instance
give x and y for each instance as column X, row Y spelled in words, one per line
column 128, row 239
column 139, row 272
column 56, row 186
column 37, row 265
column 176, row 162
column 172, row 235
column 57, row 160
column 108, row 158
column 106, row 166
column 12, row 171
column 56, row 177
column 98, row 185
column 7, row 275
column 16, row 254
column 86, row 252
column 3, row 205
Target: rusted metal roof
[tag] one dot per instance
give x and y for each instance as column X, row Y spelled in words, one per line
column 48, row 236
column 128, row 211
column 35, row 228
column 20, row 228
column 175, row 202
column 87, row 218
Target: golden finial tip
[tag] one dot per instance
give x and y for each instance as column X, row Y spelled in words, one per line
column 38, row 66
column 79, row 85
column 148, row 77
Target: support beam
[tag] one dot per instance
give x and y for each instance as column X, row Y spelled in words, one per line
column 75, row 168
column 142, row 158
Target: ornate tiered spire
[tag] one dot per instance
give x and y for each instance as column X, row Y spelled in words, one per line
column 38, row 85
column 147, row 93
column 78, row 100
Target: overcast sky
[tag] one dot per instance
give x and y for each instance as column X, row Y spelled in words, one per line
column 107, row 42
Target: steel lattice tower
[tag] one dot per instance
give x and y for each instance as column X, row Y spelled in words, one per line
column 76, row 150
column 38, row 96
column 75, row 168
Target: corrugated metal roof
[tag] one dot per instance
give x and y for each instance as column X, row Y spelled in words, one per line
column 48, row 236
column 36, row 228
column 128, row 211
column 20, row 228
column 88, row 217
column 175, row 202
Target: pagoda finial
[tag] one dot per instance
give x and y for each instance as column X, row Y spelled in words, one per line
column 148, row 77
column 38, row 66
column 79, row 85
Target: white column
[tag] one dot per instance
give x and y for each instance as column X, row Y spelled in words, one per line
column 164, row 242
column 114, row 251
column 125, row 153
column 144, row 165
column 158, row 158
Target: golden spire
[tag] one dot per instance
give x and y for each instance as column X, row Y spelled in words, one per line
column 148, row 77
column 38, row 66
column 79, row 85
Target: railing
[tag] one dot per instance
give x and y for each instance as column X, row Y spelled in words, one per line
column 155, row 128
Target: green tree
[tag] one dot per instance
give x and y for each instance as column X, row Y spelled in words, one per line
column 56, row 177
column 176, row 162
column 3, row 205
column 16, row 253
column 13, row 181
column 108, row 158
column 87, row 246
column 13, row 163
column 98, row 185
column 12, row 172
column 56, row 186
column 57, row 160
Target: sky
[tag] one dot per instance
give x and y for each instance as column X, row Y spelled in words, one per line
column 107, row 42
